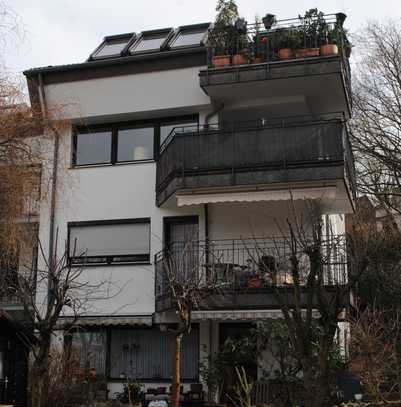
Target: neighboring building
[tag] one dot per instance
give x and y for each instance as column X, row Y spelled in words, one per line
column 166, row 148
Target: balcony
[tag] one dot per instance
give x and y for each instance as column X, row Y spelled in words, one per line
column 306, row 57
column 280, row 153
column 244, row 274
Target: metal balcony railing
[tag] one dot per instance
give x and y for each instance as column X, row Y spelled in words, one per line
column 242, row 148
column 247, row 265
column 289, row 39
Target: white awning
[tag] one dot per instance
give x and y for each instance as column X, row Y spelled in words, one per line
column 323, row 193
column 141, row 320
column 240, row 315
column 234, row 315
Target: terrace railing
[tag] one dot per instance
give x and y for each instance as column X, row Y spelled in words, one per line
column 247, row 265
column 247, row 147
column 290, row 39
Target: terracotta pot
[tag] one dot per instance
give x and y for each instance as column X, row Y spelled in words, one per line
column 328, row 49
column 255, row 283
column 257, row 60
column 307, row 52
column 239, row 59
column 285, row 53
column 221, row 61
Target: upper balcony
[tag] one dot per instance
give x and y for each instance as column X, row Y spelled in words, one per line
column 279, row 60
column 282, row 154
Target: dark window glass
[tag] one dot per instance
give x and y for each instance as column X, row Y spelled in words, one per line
column 188, row 38
column 135, row 144
column 166, row 129
column 93, row 148
column 111, row 48
column 149, row 44
column 146, row 354
column 90, row 347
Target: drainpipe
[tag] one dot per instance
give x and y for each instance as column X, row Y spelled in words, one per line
column 44, row 107
column 216, row 110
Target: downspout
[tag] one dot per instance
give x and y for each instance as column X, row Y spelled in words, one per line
column 44, row 107
column 216, row 110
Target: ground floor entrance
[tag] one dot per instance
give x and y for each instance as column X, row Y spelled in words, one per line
column 13, row 364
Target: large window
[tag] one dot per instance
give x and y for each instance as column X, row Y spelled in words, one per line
column 135, row 144
column 93, row 148
column 110, row 242
column 147, row 354
column 89, row 348
column 125, row 142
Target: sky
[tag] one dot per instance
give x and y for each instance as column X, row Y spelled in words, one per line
column 67, row 31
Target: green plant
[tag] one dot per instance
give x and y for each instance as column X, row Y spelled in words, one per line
column 131, row 393
column 313, row 28
column 223, row 34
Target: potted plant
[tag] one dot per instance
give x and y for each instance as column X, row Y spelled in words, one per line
column 288, row 41
column 257, row 52
column 310, row 29
column 240, row 42
column 221, row 35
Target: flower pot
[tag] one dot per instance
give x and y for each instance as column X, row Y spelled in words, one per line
column 307, row 52
column 239, row 59
column 255, row 283
column 285, row 53
column 328, row 49
column 257, row 60
column 221, row 61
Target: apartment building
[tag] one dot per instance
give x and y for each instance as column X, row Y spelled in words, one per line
column 166, row 147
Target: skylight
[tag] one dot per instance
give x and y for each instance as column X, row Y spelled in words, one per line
column 150, row 41
column 188, row 39
column 112, row 47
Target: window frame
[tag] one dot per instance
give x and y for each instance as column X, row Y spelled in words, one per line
column 189, row 29
column 115, row 127
column 109, row 259
column 165, row 33
column 130, row 37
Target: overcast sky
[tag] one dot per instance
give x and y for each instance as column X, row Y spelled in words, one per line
column 66, row 31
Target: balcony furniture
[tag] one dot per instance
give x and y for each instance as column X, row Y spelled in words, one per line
column 195, row 392
column 235, row 279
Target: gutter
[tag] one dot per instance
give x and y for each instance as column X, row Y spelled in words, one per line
column 44, row 107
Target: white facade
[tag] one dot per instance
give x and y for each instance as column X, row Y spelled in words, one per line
column 127, row 190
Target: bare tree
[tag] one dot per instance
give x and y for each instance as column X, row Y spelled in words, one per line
column 56, row 290
column 308, row 274
column 376, row 123
column 375, row 347
column 186, row 282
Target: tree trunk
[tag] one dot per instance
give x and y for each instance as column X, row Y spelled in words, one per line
column 39, row 376
column 175, row 391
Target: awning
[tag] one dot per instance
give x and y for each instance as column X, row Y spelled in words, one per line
column 240, row 315
column 255, row 196
column 234, row 315
column 136, row 320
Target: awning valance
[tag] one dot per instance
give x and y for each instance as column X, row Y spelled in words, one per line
column 136, row 320
column 236, row 315
column 323, row 193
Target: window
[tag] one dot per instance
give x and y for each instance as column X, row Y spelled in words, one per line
column 135, row 144
column 93, row 148
column 110, row 242
column 112, row 46
column 124, row 142
column 188, row 39
column 147, row 354
column 151, row 41
column 90, row 349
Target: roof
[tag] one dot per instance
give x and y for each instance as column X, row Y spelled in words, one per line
column 130, row 48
